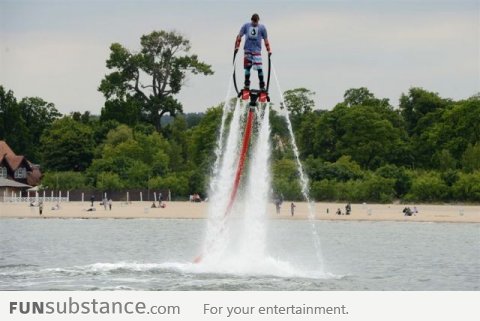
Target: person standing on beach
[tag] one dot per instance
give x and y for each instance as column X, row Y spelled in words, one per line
column 40, row 208
column 292, row 208
column 92, row 199
column 348, row 209
column 277, row 206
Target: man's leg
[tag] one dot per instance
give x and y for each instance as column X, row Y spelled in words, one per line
column 257, row 63
column 260, row 79
column 247, row 77
column 247, row 65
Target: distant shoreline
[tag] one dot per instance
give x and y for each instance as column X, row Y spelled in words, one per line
column 187, row 210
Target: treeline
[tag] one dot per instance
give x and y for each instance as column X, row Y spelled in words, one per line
column 83, row 151
column 363, row 150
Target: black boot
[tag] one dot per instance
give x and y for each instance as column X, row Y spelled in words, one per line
column 260, row 80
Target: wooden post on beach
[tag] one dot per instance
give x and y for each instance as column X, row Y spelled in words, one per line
column 169, row 196
column 128, row 197
column 51, row 197
column 28, row 197
column 155, row 196
column 44, row 196
column 68, row 196
column 141, row 197
column 83, row 197
column 59, row 196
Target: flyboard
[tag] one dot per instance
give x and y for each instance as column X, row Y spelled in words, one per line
column 254, row 96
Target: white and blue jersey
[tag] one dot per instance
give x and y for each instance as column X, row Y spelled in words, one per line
column 253, row 37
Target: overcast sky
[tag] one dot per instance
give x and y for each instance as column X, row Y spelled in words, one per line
column 57, row 49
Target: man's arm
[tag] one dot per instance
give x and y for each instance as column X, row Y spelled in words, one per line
column 265, row 39
column 267, row 45
column 237, row 42
column 243, row 31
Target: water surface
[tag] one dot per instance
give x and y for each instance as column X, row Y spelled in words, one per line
column 155, row 254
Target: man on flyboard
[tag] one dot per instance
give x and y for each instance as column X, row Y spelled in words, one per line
column 254, row 33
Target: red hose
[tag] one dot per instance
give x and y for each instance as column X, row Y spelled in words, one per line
column 241, row 162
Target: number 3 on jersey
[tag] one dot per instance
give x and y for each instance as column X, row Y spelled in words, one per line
column 253, row 32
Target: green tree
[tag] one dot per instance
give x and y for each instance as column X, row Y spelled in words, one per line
column 428, row 187
column 176, row 183
column 13, row 128
column 324, row 190
column 328, row 130
column 152, row 76
column 138, row 174
column 179, row 139
column 416, row 105
column 285, row 179
column 109, row 181
column 203, row 138
column 375, row 188
column 126, row 111
column 299, row 101
column 279, row 135
column 133, row 156
column 449, row 128
column 467, row 187
column 84, row 118
column 362, row 97
column 38, row 115
column 64, row 180
column 444, row 160
column 399, row 175
column 471, row 158
column 67, row 145
column 101, row 129
column 118, row 135
column 305, row 134
column 345, row 169
column 369, row 138
column 449, row 176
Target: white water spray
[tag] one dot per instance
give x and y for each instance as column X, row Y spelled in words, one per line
column 303, row 179
column 219, row 145
column 230, row 245
column 256, row 197
column 222, row 187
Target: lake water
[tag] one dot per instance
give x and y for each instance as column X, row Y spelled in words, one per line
column 155, row 254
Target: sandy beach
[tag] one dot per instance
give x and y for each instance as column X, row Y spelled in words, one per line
column 188, row 210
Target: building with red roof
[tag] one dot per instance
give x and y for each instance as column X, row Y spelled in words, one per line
column 17, row 167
